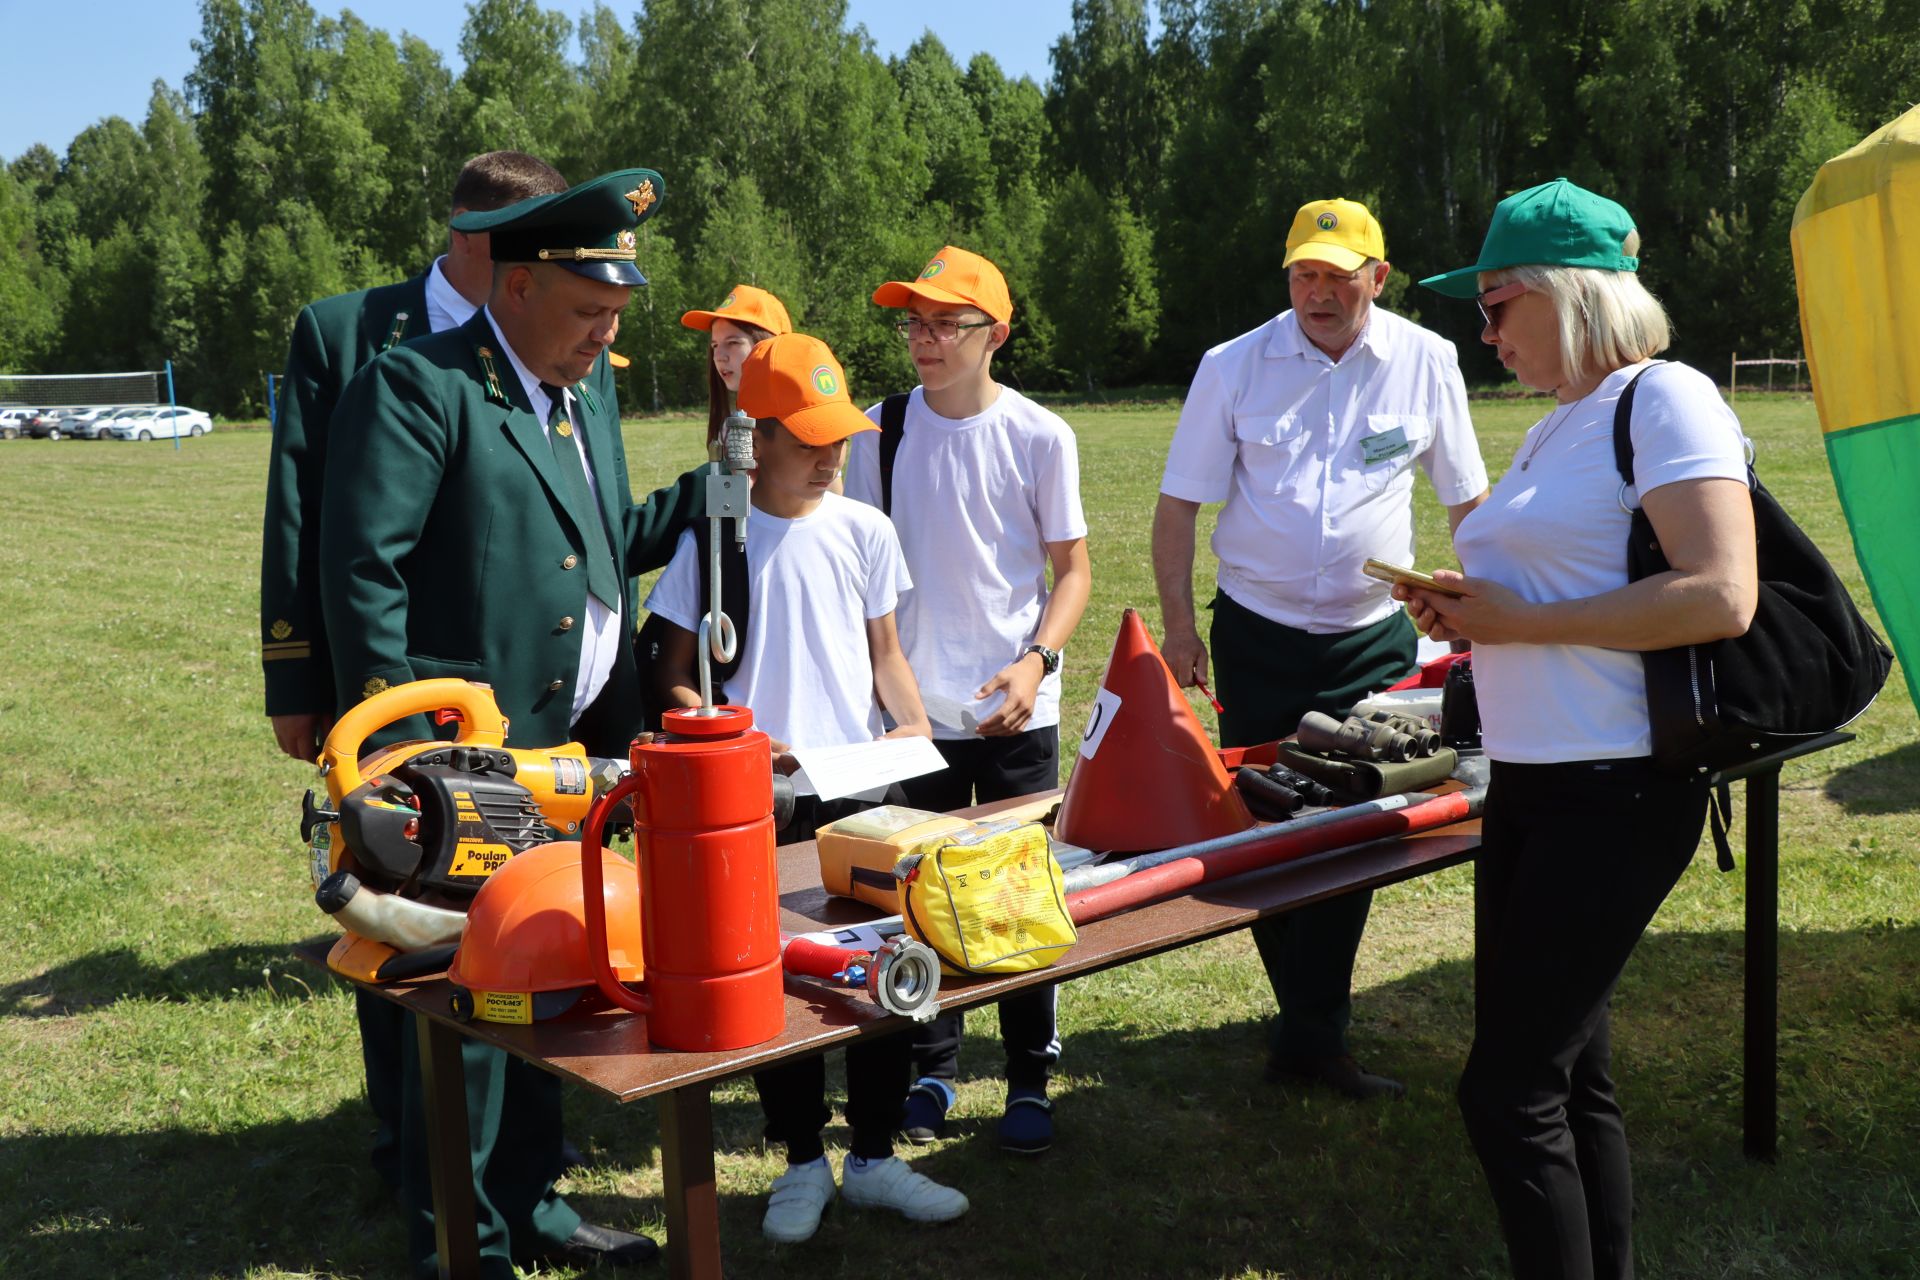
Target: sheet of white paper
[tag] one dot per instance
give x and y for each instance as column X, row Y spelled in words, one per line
column 857, row 937
column 960, row 717
column 834, row 772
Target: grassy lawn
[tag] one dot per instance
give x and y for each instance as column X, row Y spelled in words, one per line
column 183, row 1099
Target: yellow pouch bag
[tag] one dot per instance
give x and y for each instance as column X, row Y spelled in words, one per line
column 988, row 900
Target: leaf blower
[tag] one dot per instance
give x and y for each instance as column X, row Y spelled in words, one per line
column 411, row 832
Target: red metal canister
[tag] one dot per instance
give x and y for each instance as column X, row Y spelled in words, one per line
column 709, row 891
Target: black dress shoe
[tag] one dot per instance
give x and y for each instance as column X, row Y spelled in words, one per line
column 590, row 1245
column 1341, row 1074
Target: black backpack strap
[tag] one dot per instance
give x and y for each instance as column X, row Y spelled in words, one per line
column 1720, row 819
column 1623, row 426
column 893, row 428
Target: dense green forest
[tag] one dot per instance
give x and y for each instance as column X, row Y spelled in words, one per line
column 1138, row 201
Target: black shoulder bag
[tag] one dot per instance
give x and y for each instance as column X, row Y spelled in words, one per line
column 893, row 429
column 1807, row 665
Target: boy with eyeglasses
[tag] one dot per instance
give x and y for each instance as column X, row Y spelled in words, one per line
column 983, row 486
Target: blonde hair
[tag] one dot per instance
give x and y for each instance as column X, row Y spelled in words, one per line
column 1608, row 320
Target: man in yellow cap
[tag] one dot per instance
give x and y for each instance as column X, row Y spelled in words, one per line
column 1306, row 430
column 477, row 523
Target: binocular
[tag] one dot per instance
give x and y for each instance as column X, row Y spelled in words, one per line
column 1379, row 735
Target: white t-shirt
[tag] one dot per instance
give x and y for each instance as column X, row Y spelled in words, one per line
column 812, row 585
column 1556, row 531
column 1314, row 461
column 975, row 500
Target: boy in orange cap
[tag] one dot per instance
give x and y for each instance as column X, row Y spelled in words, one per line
column 986, row 499
column 820, row 569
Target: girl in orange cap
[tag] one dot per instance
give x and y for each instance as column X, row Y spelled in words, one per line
column 747, row 318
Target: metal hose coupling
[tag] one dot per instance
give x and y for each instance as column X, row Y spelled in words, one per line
column 904, row 978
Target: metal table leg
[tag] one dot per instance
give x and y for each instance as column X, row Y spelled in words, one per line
column 693, row 1201
column 449, row 1151
column 1761, row 1119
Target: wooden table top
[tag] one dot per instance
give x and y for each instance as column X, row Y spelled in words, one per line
column 607, row 1050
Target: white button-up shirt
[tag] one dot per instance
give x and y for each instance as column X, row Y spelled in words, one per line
column 446, row 307
column 601, row 638
column 1314, row 461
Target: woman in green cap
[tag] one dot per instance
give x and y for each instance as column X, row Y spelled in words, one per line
column 1583, row 838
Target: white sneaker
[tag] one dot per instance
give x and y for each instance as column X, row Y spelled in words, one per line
column 891, row 1184
column 800, row 1196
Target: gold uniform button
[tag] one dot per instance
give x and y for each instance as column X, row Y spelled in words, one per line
column 566, row 624
column 556, row 686
column 569, row 562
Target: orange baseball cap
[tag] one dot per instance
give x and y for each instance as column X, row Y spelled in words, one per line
column 745, row 305
column 953, row 276
column 794, row 377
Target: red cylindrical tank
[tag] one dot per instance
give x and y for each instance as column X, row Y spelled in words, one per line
column 709, row 891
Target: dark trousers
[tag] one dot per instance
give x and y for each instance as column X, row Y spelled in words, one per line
column 1267, row 676
column 793, row 1095
column 513, row 1130
column 1574, row 860
column 981, row 771
column 383, row 1027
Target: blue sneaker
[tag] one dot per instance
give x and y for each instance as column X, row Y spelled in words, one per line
column 925, row 1116
column 1026, row 1128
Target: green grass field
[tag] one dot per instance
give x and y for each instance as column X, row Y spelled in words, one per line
column 183, row 1099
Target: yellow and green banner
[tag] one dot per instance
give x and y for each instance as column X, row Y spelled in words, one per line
column 1856, row 258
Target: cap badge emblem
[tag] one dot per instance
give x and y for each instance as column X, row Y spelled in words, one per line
column 642, row 198
column 824, row 381
column 1326, row 221
column 626, row 240
column 934, row 268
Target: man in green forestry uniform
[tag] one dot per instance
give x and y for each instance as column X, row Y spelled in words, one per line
column 332, row 339
column 477, row 523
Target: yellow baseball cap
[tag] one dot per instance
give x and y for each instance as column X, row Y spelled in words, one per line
column 744, row 305
column 794, row 377
column 1340, row 232
column 957, row 277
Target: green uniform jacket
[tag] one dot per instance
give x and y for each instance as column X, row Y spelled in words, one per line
column 447, row 547
column 332, row 339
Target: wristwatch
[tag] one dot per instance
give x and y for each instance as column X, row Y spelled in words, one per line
column 1049, row 658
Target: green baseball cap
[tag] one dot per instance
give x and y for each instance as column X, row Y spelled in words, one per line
column 1555, row 224
column 587, row 229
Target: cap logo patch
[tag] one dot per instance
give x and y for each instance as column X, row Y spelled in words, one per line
column 726, row 302
column 934, row 268
column 642, row 198
column 627, row 240
column 824, row 380
column 1326, row 221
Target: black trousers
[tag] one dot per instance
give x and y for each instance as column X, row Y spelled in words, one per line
column 981, row 771
column 1267, row 676
column 1574, row 861
column 793, row 1095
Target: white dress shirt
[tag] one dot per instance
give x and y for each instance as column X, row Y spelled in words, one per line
column 446, row 308
column 1314, row 461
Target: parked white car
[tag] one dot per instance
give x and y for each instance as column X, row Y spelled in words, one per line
column 163, row 423
column 89, row 424
column 13, row 422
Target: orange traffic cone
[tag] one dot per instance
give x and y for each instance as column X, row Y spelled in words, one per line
column 1147, row 776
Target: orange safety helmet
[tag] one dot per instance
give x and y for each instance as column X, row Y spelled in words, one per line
column 523, row 957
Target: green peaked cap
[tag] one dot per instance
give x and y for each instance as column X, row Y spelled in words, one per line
column 1555, row 224
column 587, row 229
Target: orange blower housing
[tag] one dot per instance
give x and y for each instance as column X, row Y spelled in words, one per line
column 524, row 955
column 703, row 828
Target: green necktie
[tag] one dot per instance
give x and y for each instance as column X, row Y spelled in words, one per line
column 603, row 579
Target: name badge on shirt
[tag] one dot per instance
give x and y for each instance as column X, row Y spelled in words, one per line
column 1384, row 445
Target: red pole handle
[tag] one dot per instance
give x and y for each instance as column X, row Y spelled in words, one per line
column 593, row 883
column 817, row 960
